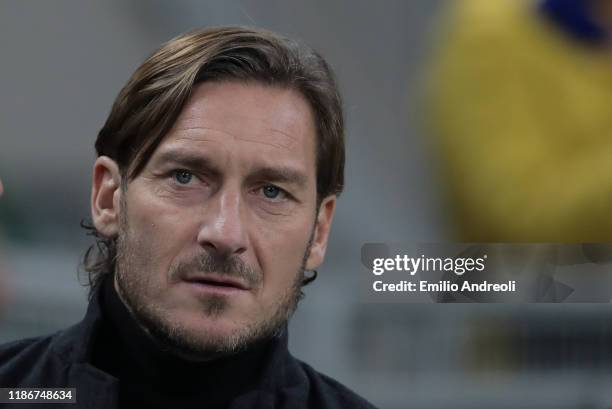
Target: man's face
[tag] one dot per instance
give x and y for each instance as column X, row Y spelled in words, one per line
column 214, row 233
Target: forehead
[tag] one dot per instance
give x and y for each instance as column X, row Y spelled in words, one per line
column 246, row 117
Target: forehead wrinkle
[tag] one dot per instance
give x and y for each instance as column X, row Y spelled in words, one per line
column 275, row 145
column 291, row 137
column 288, row 145
column 205, row 128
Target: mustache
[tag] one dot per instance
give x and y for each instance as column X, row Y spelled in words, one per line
column 207, row 263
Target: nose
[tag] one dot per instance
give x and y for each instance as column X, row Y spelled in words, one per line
column 223, row 230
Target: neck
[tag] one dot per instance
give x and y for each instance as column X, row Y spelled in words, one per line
column 128, row 352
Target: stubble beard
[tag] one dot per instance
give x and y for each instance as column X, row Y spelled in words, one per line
column 175, row 338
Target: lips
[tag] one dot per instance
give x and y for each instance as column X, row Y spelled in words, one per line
column 217, row 280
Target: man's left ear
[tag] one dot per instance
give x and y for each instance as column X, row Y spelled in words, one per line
column 321, row 233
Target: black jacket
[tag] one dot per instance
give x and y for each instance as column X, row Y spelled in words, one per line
column 63, row 360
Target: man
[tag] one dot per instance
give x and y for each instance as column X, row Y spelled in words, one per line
column 213, row 193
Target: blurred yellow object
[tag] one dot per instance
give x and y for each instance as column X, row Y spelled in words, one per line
column 521, row 115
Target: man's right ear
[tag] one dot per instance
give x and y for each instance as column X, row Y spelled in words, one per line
column 106, row 196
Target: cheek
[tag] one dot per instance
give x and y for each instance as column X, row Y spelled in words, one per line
column 281, row 252
column 159, row 231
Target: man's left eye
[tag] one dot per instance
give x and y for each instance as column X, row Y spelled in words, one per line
column 183, row 176
column 271, row 191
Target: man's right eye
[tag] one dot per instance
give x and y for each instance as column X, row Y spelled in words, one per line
column 182, row 176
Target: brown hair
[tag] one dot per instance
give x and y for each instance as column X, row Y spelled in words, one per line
column 151, row 101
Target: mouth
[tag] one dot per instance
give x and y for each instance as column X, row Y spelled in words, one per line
column 216, row 283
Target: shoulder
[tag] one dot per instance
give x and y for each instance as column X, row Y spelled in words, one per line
column 23, row 349
column 329, row 393
column 22, row 361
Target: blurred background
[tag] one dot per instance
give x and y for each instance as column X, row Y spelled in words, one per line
column 472, row 120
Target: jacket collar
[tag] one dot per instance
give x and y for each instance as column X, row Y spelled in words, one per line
column 84, row 332
column 98, row 389
column 95, row 388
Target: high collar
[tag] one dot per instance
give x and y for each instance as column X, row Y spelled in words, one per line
column 117, row 352
column 126, row 351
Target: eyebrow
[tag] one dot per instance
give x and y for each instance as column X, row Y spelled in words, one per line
column 280, row 174
column 188, row 160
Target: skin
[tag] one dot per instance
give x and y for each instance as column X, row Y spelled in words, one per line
column 230, row 192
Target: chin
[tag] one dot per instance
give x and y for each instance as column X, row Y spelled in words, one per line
column 205, row 329
column 218, row 327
